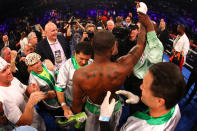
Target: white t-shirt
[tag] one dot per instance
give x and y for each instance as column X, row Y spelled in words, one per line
column 14, row 102
column 181, row 43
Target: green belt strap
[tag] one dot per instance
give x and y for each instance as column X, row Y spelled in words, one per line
column 95, row 109
column 56, row 88
column 56, row 73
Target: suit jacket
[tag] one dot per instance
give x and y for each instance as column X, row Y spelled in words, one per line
column 44, row 50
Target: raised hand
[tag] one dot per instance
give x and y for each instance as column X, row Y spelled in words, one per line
column 13, row 55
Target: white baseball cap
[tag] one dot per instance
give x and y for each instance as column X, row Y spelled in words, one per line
column 142, row 8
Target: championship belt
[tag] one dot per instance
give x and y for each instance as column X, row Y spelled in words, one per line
column 76, row 121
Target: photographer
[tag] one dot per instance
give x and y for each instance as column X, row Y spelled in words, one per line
column 126, row 39
column 75, row 30
column 88, row 34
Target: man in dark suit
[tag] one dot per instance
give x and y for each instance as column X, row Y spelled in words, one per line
column 54, row 47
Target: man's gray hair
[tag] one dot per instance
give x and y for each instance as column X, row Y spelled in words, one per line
column 110, row 21
column 3, row 51
column 29, row 37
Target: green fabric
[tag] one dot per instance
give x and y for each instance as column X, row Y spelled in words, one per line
column 50, row 81
column 95, row 109
column 153, row 53
column 45, row 74
column 75, row 64
column 59, row 89
column 154, row 120
column 56, row 73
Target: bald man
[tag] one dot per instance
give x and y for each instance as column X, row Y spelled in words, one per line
column 54, row 47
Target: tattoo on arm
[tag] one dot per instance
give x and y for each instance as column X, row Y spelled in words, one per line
column 94, row 74
column 101, row 74
column 108, row 76
column 88, row 77
column 114, row 76
column 117, row 74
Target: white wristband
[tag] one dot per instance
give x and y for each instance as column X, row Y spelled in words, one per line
column 104, row 118
column 63, row 103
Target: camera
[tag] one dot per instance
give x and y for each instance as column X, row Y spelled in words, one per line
column 72, row 22
column 121, row 32
column 90, row 34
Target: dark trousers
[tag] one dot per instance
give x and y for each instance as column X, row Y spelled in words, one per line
column 132, row 84
column 52, row 112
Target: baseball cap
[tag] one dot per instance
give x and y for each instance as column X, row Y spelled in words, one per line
column 32, row 58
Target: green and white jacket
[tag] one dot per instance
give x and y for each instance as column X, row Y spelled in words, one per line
column 153, row 53
column 64, row 79
column 141, row 121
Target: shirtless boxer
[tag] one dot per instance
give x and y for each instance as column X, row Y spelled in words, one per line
column 102, row 75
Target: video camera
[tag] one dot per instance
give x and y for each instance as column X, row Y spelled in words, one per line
column 90, row 35
column 123, row 32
